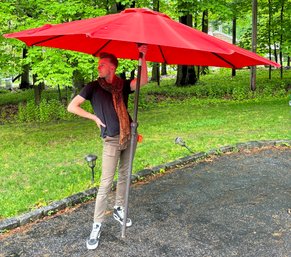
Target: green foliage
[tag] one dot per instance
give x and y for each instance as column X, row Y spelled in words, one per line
column 28, row 112
column 56, row 67
column 216, row 85
column 49, row 110
column 4, row 91
column 46, row 111
column 126, row 66
column 50, row 66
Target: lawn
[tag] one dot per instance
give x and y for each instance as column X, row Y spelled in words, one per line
column 44, row 162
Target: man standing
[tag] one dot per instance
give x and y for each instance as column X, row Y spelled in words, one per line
column 109, row 97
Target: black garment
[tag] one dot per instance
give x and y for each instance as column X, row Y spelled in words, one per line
column 102, row 103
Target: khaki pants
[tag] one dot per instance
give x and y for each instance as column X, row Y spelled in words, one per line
column 112, row 153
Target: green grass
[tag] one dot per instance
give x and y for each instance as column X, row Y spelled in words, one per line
column 44, row 162
column 209, row 125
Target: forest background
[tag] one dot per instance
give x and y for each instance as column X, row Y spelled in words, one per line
column 57, row 68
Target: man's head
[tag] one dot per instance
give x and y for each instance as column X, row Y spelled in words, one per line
column 112, row 58
column 107, row 66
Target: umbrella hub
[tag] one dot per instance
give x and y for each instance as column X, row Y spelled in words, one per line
column 144, row 10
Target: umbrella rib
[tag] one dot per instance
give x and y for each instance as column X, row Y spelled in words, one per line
column 46, row 40
column 165, row 61
column 221, row 58
column 99, row 50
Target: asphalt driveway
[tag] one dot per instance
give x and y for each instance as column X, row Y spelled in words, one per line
column 237, row 204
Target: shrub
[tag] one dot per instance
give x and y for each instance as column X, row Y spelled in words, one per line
column 30, row 112
column 48, row 110
column 217, row 85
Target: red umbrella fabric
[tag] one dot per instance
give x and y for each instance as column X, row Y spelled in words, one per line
column 168, row 41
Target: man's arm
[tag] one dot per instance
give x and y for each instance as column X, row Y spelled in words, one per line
column 75, row 107
column 144, row 70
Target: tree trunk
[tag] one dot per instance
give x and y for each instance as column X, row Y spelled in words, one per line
column 156, row 66
column 186, row 74
column 275, row 53
column 233, row 71
column 24, row 80
column 204, row 69
column 156, row 5
column 120, row 6
column 156, row 73
column 198, row 72
column 254, row 42
column 205, row 21
column 281, row 39
column 132, row 74
column 37, row 90
column 164, row 69
column 269, row 36
column 122, row 75
column 60, row 93
column 78, row 82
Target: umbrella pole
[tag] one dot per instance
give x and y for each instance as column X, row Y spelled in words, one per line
column 133, row 141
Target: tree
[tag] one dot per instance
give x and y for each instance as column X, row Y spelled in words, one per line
column 254, row 42
column 269, row 34
column 24, row 83
column 186, row 75
column 50, row 66
column 11, row 50
column 204, row 69
column 230, row 13
column 281, row 35
column 66, row 66
column 275, row 22
column 27, row 12
column 156, row 66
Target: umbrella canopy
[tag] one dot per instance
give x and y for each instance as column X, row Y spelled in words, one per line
column 168, row 41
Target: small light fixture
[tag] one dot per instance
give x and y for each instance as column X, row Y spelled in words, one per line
column 180, row 141
column 91, row 161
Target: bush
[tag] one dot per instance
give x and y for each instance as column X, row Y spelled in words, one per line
column 4, row 91
column 48, row 110
column 28, row 112
column 217, row 85
column 239, row 93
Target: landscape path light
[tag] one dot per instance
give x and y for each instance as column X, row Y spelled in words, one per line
column 180, row 141
column 91, row 161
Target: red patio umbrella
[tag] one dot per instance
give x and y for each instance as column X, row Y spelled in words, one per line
column 168, row 42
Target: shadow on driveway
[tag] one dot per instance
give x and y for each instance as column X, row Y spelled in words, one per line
column 238, row 204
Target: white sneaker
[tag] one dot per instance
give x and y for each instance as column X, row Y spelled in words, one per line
column 93, row 241
column 118, row 214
